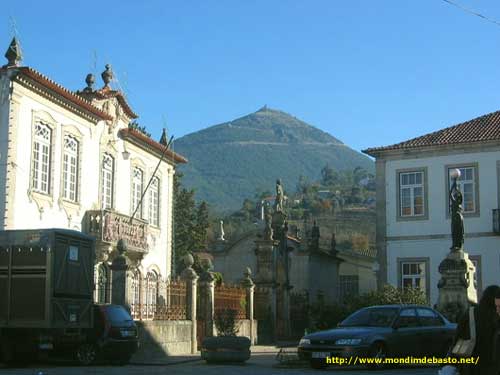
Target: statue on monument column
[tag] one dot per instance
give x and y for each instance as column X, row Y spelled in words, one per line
column 278, row 204
column 457, row 219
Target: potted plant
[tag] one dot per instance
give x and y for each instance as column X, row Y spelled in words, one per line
column 226, row 346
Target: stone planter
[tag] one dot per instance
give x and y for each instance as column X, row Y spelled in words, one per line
column 225, row 349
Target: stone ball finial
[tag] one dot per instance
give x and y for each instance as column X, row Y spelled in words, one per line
column 122, row 246
column 107, row 75
column 188, row 260
column 90, row 80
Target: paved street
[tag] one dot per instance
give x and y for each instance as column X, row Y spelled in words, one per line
column 260, row 363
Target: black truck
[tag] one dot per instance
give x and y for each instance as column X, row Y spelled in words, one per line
column 46, row 291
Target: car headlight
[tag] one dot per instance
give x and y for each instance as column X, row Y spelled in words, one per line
column 347, row 342
column 304, row 342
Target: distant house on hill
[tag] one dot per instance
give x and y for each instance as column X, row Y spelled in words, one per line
column 413, row 217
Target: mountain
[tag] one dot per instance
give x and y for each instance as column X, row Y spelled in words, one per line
column 232, row 161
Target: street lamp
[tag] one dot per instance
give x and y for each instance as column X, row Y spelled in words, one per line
column 455, row 174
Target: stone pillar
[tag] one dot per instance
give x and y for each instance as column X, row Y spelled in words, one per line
column 207, row 285
column 456, row 286
column 248, row 284
column 191, row 278
column 119, row 268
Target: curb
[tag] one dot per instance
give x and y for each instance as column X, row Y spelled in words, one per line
column 165, row 363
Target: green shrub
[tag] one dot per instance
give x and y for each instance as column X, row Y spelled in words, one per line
column 226, row 323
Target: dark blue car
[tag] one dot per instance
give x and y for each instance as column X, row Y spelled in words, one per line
column 382, row 331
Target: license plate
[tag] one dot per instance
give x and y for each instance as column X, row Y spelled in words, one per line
column 46, row 346
column 126, row 333
column 320, row 354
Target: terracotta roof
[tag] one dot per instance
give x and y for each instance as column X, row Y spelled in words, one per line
column 59, row 90
column 480, row 129
column 107, row 92
column 151, row 144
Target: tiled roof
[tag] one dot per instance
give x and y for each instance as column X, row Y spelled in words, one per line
column 151, row 144
column 480, row 129
column 59, row 90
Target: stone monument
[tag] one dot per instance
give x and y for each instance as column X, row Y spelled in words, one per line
column 456, row 286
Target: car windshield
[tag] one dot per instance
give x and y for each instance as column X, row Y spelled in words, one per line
column 117, row 314
column 371, row 317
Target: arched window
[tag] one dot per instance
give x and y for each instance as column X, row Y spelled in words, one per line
column 103, row 284
column 151, row 293
column 154, row 202
column 70, row 169
column 41, row 158
column 137, row 187
column 108, row 169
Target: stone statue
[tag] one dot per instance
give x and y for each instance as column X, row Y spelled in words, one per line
column 221, row 231
column 268, row 230
column 457, row 219
column 278, row 204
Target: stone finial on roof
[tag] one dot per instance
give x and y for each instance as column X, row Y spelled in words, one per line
column 89, row 80
column 163, row 139
column 107, row 75
column 14, row 54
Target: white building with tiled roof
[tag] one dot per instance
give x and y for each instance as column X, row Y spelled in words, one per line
column 413, row 222
column 69, row 160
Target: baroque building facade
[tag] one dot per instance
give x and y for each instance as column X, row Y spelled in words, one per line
column 69, row 160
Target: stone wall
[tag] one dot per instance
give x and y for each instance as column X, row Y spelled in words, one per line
column 160, row 338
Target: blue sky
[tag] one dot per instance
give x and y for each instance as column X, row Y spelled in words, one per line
column 370, row 73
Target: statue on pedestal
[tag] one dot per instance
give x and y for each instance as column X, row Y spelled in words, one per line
column 278, row 204
column 457, row 219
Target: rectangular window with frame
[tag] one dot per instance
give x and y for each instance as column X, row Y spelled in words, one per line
column 411, row 194
column 467, row 185
column 414, row 273
column 42, row 147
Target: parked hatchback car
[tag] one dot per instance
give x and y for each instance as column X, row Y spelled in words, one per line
column 114, row 336
column 382, row 331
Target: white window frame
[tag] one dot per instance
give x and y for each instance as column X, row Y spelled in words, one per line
column 137, row 190
column 411, row 187
column 478, row 279
column 424, row 264
column 108, row 178
column 70, row 168
column 154, row 202
column 42, row 158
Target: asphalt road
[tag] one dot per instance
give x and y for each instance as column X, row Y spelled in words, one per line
column 259, row 364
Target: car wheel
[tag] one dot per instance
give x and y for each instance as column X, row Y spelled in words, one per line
column 86, row 354
column 378, row 351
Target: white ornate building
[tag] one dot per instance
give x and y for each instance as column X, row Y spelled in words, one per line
column 413, row 212
column 69, row 160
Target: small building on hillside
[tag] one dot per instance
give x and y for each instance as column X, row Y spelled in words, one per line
column 413, row 211
column 70, row 160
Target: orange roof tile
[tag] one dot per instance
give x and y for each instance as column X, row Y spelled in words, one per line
column 480, row 129
column 151, row 144
column 59, row 90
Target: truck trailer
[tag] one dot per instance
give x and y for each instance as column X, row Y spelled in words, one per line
column 46, row 290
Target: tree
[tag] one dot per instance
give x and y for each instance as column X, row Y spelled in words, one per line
column 184, row 221
column 329, row 176
column 201, row 226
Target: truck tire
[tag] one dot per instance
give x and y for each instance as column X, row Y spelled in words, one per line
column 86, row 354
